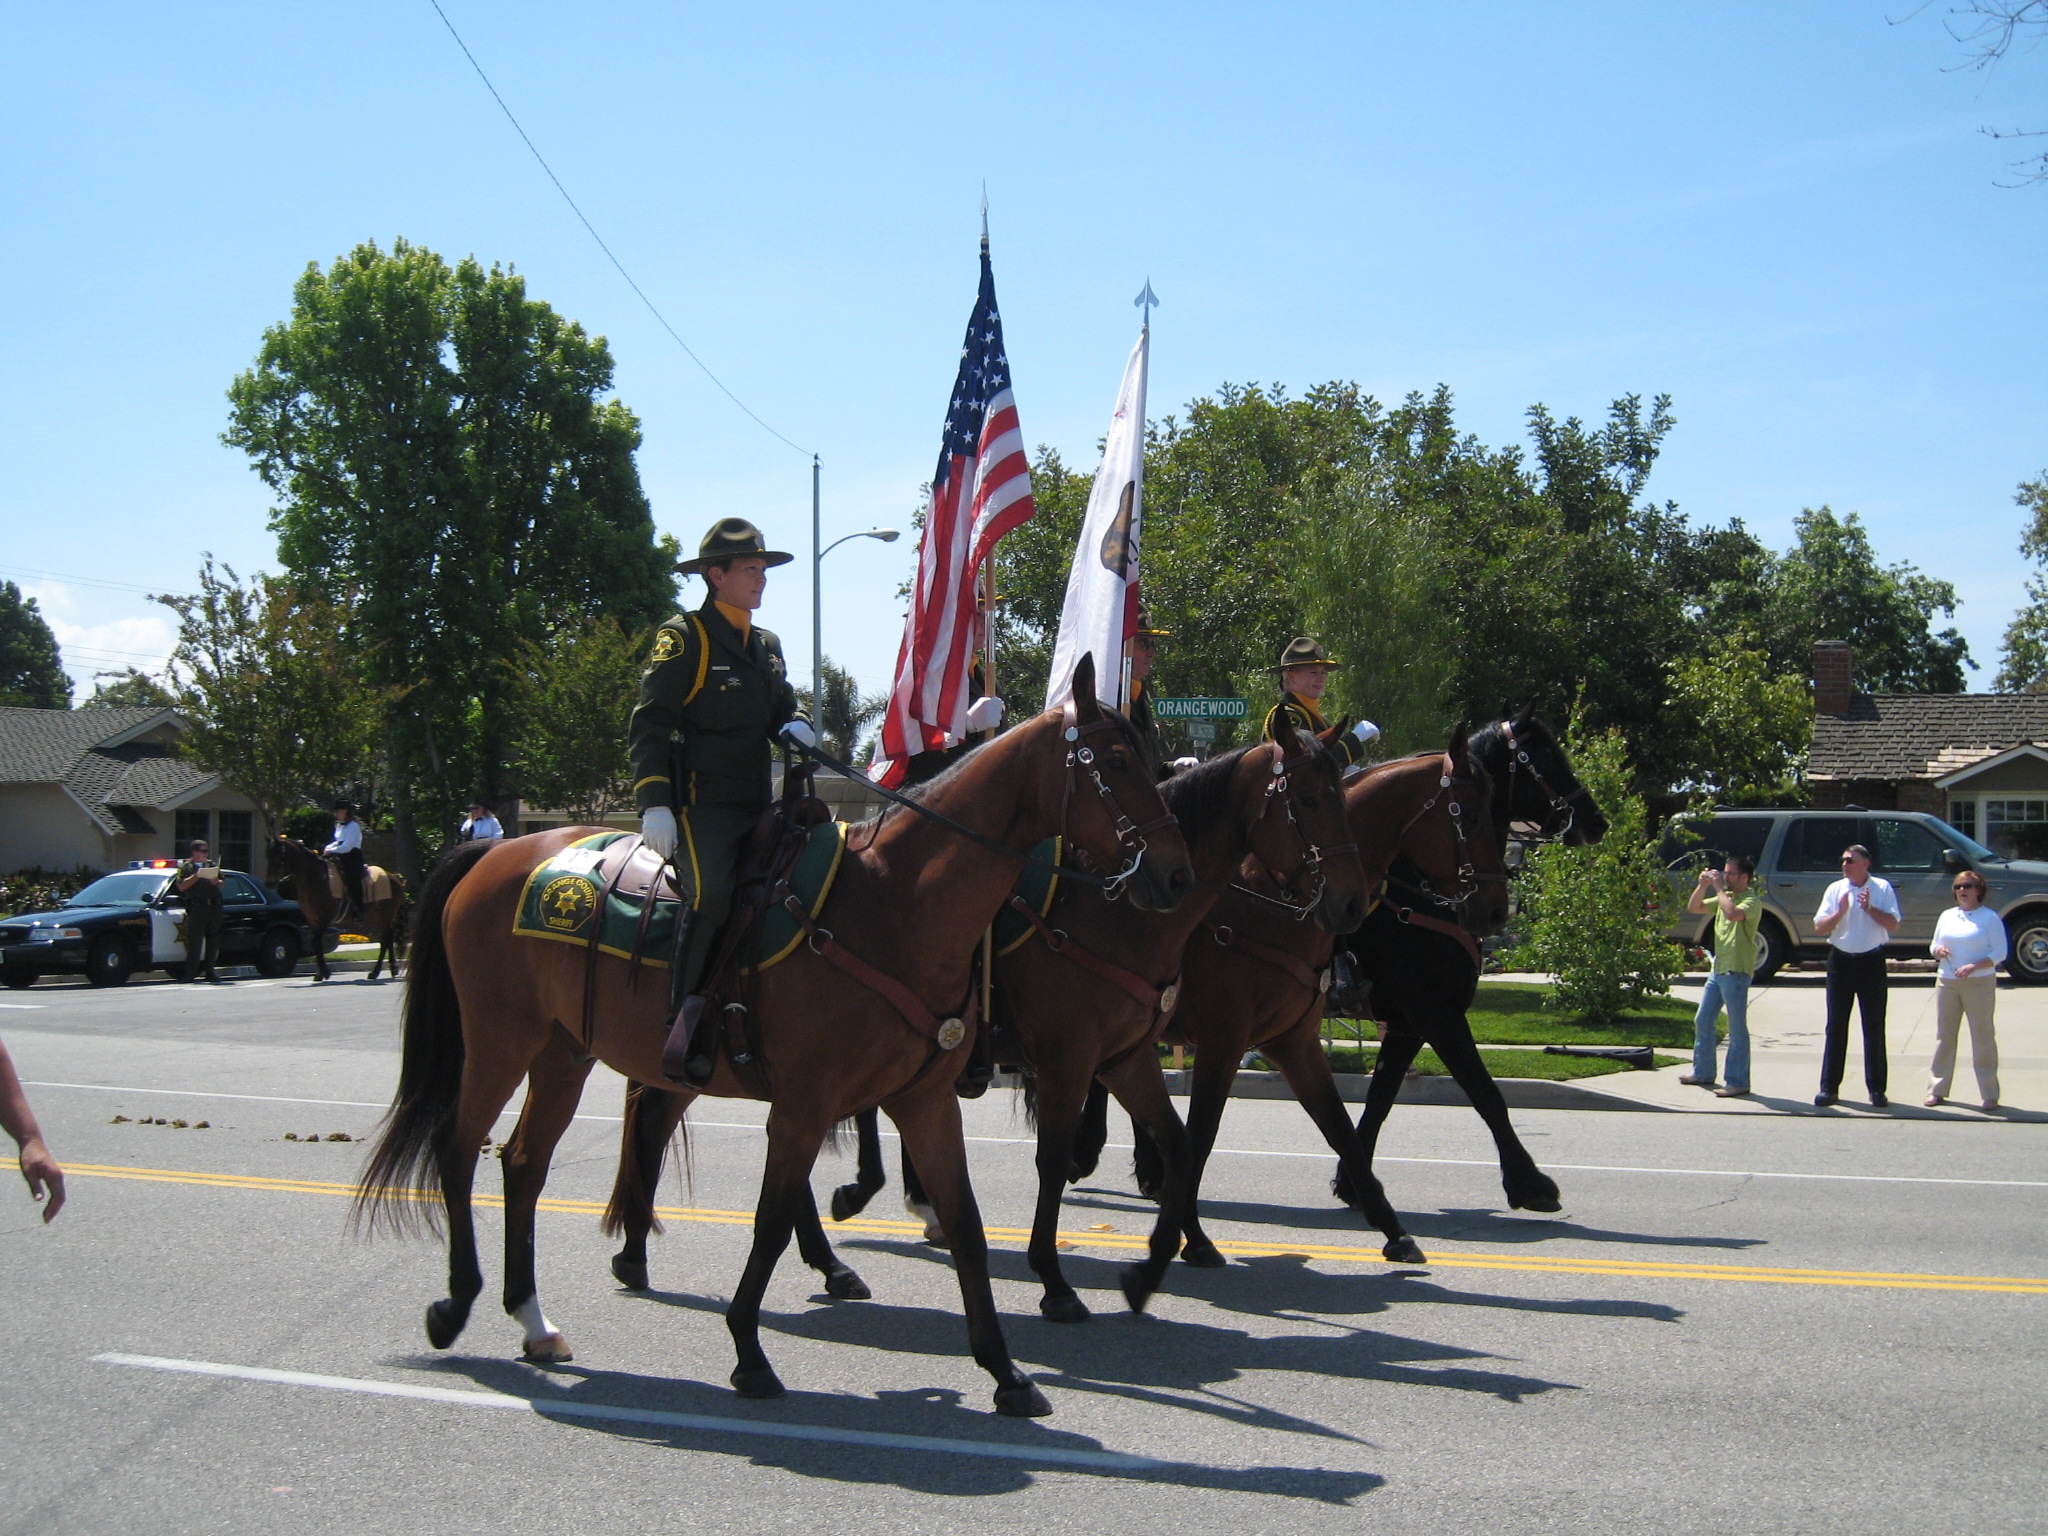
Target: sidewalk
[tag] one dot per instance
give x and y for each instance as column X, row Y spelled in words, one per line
column 1786, row 1018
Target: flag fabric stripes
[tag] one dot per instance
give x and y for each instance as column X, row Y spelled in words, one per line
column 980, row 491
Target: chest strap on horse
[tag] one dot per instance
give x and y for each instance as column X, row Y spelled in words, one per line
column 1157, row 1003
column 1227, row 937
column 1438, row 925
column 947, row 1034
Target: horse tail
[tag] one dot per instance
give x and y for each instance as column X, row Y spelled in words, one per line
column 633, row 1189
column 401, row 1184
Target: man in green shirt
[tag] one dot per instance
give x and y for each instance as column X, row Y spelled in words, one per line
column 1738, row 915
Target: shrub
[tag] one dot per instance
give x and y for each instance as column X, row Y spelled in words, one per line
column 1595, row 917
column 38, row 890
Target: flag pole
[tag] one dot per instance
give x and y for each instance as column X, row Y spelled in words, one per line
column 1145, row 302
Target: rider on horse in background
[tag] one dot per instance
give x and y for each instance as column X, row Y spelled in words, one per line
column 1304, row 673
column 1144, row 650
column 714, row 700
column 346, row 849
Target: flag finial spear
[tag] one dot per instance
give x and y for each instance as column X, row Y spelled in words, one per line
column 984, row 218
column 1146, row 301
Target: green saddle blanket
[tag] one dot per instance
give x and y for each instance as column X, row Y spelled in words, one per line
column 562, row 899
column 1038, row 886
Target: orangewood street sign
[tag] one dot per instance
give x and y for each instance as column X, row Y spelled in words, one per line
column 1200, row 709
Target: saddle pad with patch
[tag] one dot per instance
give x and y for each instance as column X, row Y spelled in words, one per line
column 376, row 882
column 561, row 897
column 1038, row 886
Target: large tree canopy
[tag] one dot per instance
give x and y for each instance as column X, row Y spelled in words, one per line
column 447, row 466
column 31, row 667
column 2024, row 665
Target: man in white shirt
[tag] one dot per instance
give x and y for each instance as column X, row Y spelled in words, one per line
column 480, row 826
column 347, row 848
column 1857, row 916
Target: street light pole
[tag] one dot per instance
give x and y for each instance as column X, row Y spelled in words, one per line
column 885, row 535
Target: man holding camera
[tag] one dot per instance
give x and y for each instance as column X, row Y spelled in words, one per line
column 1738, row 918
column 1857, row 916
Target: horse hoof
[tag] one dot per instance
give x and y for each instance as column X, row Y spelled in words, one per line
column 1537, row 1194
column 444, row 1322
column 553, row 1349
column 845, row 1285
column 1022, row 1402
column 1402, row 1250
column 763, row 1383
column 1137, row 1287
column 1062, row 1309
column 1202, row 1255
column 632, row 1275
column 848, row 1202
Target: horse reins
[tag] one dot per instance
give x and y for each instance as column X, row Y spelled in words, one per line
column 1280, row 787
column 1519, row 762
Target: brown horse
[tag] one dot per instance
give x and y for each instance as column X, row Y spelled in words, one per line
column 1083, row 996
column 1255, row 978
column 382, row 920
column 484, row 1009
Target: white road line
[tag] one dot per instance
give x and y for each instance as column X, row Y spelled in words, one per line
column 23, row 1007
column 569, row 1409
column 1120, row 1146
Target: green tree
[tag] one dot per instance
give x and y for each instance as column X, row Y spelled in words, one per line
column 2023, row 668
column 1751, row 729
column 846, row 713
column 273, row 692
column 575, row 694
column 31, row 667
column 1596, row 916
column 130, row 689
column 447, row 468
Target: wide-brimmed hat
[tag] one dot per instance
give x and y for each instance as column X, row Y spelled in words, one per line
column 1145, row 624
column 1304, row 652
column 733, row 539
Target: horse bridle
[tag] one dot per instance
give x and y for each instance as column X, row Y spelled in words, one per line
column 1280, row 786
column 1519, row 761
column 1468, row 877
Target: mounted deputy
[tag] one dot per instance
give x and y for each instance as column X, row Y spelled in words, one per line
column 1304, row 671
column 714, row 700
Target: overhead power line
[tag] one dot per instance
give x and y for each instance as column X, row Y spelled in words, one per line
column 621, row 266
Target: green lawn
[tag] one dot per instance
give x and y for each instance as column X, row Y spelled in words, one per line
column 1512, row 1013
column 1555, row 1069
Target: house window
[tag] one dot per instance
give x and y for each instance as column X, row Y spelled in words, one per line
column 1962, row 815
column 2015, row 829
column 190, row 825
column 237, row 839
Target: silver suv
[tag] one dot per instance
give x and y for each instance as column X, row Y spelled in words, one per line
column 1798, row 855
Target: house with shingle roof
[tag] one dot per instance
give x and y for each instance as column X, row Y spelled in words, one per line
column 1977, row 760
column 95, row 788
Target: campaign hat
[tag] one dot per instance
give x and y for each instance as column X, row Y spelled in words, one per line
column 1145, row 625
column 1302, row 651
column 733, row 538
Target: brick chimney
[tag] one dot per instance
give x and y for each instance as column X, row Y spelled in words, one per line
column 1833, row 663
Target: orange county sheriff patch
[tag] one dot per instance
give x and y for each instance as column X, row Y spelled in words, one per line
column 666, row 645
column 566, row 903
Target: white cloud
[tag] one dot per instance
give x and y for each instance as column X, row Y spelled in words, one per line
column 103, row 631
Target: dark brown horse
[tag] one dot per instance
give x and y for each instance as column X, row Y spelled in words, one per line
column 1085, row 992
column 312, row 888
column 485, row 1009
column 1424, row 979
column 1255, row 979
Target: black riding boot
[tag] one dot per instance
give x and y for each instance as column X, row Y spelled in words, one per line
column 691, row 1053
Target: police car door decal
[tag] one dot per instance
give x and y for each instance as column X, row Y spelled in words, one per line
column 166, row 935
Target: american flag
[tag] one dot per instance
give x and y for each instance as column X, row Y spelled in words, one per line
column 980, row 491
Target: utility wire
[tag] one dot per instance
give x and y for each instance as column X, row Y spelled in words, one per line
column 663, row 319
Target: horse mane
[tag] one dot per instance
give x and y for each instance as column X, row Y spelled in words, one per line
column 930, row 786
column 1199, row 795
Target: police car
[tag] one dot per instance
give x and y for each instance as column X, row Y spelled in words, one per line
column 133, row 921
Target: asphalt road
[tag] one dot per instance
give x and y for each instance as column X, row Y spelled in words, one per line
column 1738, row 1324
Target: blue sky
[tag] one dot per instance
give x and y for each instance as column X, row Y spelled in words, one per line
column 1785, row 217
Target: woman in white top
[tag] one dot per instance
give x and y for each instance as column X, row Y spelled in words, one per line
column 1969, row 942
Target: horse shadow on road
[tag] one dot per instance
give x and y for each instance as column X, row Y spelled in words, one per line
column 938, row 1414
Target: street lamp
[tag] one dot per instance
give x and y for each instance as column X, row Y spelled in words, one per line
column 887, row 536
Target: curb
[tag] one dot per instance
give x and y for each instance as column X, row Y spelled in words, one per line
column 1520, row 1092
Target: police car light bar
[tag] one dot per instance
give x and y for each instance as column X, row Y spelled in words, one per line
column 152, row 863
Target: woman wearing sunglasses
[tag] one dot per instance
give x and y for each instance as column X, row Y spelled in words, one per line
column 1969, row 942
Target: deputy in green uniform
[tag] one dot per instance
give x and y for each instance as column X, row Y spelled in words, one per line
column 1144, row 650
column 1304, row 673
column 197, row 880
column 714, row 700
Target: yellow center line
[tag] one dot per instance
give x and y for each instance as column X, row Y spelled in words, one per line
column 1456, row 1258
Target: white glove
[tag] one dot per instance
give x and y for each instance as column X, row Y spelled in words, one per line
column 1365, row 731
column 1183, row 764
column 658, row 829
column 984, row 714
column 799, row 733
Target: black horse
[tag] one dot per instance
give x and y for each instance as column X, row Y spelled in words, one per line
column 1425, row 974
column 1424, row 979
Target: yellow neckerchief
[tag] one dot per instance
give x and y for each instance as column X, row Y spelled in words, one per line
column 739, row 618
column 1309, row 706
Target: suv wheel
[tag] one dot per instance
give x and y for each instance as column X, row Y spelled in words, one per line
column 278, row 955
column 1773, row 949
column 18, row 978
column 109, row 964
column 2027, row 936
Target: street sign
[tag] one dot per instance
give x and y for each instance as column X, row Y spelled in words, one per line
column 1200, row 709
column 1202, row 730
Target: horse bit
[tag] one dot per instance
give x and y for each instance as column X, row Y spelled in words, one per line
column 1281, row 786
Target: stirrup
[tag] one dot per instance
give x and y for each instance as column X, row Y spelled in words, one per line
column 684, row 1059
